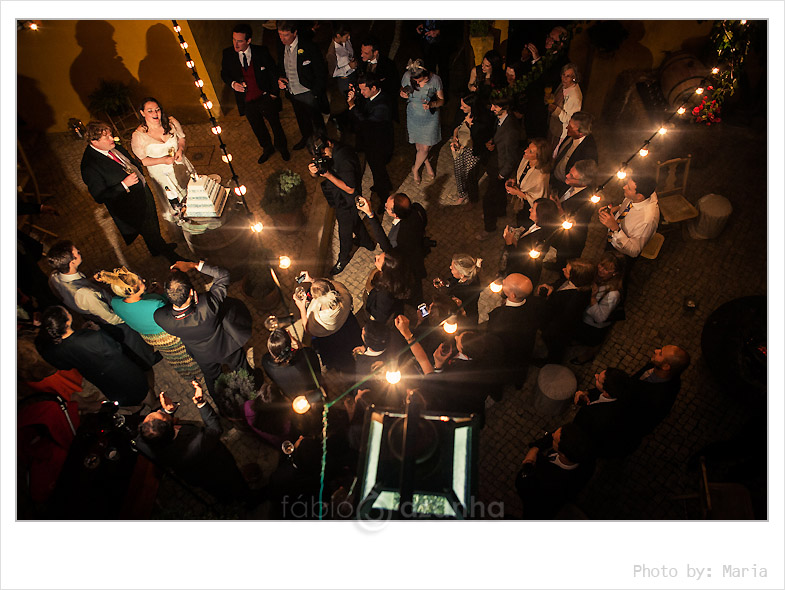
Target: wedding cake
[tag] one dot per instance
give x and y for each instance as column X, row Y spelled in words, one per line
column 205, row 198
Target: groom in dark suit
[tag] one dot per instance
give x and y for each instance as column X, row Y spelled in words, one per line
column 253, row 75
column 113, row 178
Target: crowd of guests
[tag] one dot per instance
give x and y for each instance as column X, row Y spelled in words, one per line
column 537, row 149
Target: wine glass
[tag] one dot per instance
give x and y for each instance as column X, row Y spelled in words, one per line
column 271, row 322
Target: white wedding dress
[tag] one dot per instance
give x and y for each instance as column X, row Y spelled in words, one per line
column 174, row 176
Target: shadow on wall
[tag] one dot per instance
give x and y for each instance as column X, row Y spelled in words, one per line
column 163, row 74
column 32, row 108
column 99, row 60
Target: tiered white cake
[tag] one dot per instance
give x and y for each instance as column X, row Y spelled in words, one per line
column 206, row 198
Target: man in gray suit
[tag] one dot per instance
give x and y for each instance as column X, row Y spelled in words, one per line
column 501, row 165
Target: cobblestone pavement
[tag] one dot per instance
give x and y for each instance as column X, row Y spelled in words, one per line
column 711, row 272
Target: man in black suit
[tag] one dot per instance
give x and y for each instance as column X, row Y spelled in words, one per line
column 383, row 68
column 656, row 386
column 372, row 118
column 502, row 164
column 194, row 453
column 113, row 178
column 303, row 74
column 606, row 414
column 575, row 205
column 515, row 322
column 407, row 234
column 578, row 145
column 342, row 182
column 555, row 469
column 212, row 328
column 253, row 75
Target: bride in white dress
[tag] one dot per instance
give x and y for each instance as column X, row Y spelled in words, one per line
column 159, row 142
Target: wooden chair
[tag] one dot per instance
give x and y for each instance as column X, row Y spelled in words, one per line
column 719, row 501
column 671, row 186
column 652, row 248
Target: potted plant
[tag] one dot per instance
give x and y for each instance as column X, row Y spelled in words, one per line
column 233, row 390
column 480, row 38
column 258, row 281
column 284, row 197
column 111, row 97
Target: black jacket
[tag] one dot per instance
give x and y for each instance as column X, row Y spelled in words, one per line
column 103, row 177
column 409, row 241
column 346, row 166
column 213, row 327
column 586, row 150
column 578, row 207
column 373, row 123
column 265, row 71
column 516, row 327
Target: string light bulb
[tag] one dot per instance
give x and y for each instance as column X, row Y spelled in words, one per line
column 595, row 199
column 451, row 325
column 177, row 28
column 662, row 131
column 699, row 90
column 240, row 190
column 227, row 158
column 496, row 286
column 300, row 404
column 681, row 110
column 744, row 22
column 33, row 27
column 534, row 253
column 393, row 375
column 199, row 83
column 644, row 151
column 216, row 130
column 190, row 63
column 284, row 262
column 257, row 227
column 184, row 45
column 715, row 71
column 207, row 105
column 567, row 224
column 621, row 174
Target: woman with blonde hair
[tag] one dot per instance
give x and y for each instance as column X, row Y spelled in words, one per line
column 464, row 283
column 136, row 306
column 531, row 179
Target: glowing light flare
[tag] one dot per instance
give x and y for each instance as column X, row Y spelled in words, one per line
column 240, row 190
column 227, row 158
column 534, row 253
column 744, row 22
column 393, row 376
column 715, row 71
column 643, row 152
column 595, row 199
column 33, row 27
column 450, row 325
column 496, row 286
column 300, row 404
column 699, row 90
column 621, row 174
column 681, row 110
column 567, row 224
column 284, row 262
column 257, row 227
column 662, row 131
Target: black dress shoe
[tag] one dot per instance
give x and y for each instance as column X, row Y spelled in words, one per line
column 338, row 268
column 265, row 156
column 285, row 155
column 300, row 144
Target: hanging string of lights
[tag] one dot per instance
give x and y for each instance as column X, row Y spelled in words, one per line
column 239, row 189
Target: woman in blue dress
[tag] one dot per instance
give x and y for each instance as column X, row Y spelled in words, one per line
column 425, row 96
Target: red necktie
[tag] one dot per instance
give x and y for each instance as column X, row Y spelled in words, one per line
column 116, row 159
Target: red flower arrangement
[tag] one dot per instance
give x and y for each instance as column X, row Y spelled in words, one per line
column 708, row 111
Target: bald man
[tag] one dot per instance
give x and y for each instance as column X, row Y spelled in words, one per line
column 515, row 322
column 657, row 385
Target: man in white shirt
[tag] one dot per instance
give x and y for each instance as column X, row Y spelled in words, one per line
column 631, row 224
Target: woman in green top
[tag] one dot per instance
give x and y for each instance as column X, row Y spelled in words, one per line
column 136, row 308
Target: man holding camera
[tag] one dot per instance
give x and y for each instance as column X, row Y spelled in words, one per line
column 339, row 166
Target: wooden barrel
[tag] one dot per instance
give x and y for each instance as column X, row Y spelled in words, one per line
column 680, row 75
